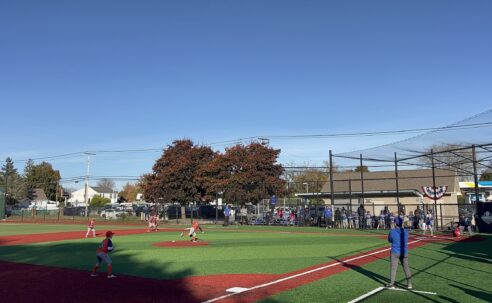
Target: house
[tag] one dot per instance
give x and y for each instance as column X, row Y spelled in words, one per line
column 40, row 201
column 380, row 189
column 77, row 198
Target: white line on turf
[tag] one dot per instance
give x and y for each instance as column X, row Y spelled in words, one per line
column 302, row 274
column 417, row 291
column 375, row 291
column 367, row 295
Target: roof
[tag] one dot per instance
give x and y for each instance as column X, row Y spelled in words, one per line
column 39, row 195
column 408, row 180
column 102, row 189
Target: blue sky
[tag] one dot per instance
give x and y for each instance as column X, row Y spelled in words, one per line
column 113, row 75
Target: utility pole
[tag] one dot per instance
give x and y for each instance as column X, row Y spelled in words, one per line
column 86, row 200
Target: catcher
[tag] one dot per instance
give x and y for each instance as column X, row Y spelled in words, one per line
column 102, row 252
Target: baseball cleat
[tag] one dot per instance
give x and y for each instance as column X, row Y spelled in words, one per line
column 111, row 276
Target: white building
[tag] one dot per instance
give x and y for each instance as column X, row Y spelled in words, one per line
column 77, row 197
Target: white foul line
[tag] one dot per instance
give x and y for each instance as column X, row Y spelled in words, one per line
column 417, row 291
column 367, row 295
column 302, row 274
column 375, row 291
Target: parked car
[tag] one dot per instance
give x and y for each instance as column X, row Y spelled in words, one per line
column 112, row 213
column 74, row 211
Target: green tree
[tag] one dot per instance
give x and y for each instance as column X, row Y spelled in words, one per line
column 362, row 168
column 42, row 176
column 98, row 201
column 15, row 187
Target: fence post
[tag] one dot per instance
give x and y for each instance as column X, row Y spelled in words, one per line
column 435, row 188
column 440, row 213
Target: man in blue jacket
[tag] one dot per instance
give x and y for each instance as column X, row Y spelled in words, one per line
column 327, row 214
column 398, row 237
column 227, row 213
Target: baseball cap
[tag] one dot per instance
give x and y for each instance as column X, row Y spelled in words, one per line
column 398, row 221
column 109, row 233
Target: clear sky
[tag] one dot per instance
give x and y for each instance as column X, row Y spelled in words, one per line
column 117, row 75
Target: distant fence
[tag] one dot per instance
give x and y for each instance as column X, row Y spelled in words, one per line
column 288, row 212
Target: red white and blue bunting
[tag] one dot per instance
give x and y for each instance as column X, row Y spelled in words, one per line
column 439, row 191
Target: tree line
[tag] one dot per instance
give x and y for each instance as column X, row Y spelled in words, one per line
column 21, row 186
column 187, row 172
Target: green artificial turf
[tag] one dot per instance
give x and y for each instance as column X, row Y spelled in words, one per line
column 457, row 272
column 229, row 251
column 9, row 229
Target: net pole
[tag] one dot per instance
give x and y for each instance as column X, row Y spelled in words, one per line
column 332, row 190
column 475, row 174
column 397, row 185
column 434, row 187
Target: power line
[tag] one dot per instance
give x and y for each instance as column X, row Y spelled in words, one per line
column 269, row 137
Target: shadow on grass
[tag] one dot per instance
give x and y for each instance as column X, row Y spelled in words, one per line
column 483, row 295
column 53, row 283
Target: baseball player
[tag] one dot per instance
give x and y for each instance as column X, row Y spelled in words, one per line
column 102, row 252
column 90, row 228
column 192, row 231
column 152, row 223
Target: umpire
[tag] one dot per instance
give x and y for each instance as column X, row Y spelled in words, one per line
column 398, row 237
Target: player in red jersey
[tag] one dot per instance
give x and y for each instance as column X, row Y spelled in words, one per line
column 90, row 228
column 192, row 231
column 102, row 252
column 152, row 223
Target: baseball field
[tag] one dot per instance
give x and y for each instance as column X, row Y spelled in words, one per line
column 52, row 263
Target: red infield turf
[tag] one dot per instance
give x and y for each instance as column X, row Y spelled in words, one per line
column 34, row 283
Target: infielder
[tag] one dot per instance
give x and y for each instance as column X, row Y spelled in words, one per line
column 90, row 228
column 152, row 223
column 102, row 252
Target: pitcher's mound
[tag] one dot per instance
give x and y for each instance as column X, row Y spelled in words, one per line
column 181, row 243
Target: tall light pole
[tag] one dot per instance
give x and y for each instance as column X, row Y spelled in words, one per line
column 87, row 183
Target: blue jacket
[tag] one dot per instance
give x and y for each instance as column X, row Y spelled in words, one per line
column 398, row 237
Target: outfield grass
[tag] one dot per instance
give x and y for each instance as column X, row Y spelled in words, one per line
column 457, row 272
column 10, row 229
column 229, row 251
